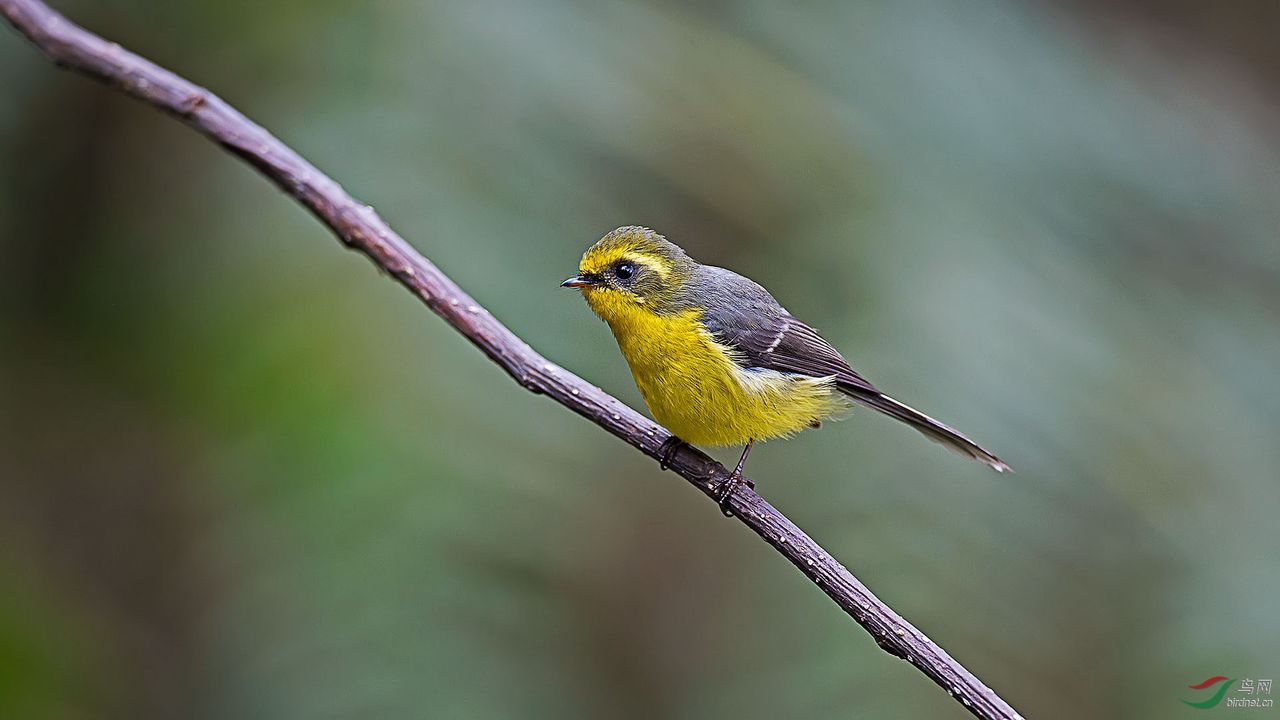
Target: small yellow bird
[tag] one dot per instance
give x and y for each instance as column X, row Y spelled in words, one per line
column 718, row 360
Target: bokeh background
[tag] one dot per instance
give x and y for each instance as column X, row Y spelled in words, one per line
column 244, row 476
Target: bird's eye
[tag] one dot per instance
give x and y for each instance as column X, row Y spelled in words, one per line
column 624, row 271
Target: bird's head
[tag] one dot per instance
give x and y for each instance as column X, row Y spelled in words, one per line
column 633, row 268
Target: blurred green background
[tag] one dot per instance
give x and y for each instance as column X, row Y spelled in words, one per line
column 244, row 476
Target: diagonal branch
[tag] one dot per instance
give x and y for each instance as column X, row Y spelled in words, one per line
column 361, row 229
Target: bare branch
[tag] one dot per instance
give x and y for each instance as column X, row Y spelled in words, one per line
column 361, row 229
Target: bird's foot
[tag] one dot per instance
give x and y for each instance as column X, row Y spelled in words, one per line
column 668, row 450
column 723, row 490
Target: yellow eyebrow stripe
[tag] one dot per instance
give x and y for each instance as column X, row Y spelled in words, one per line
column 655, row 264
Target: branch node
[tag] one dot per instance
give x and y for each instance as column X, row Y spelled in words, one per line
column 191, row 103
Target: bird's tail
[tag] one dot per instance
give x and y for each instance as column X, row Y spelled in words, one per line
column 951, row 438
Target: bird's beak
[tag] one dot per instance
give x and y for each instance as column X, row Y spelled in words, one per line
column 581, row 280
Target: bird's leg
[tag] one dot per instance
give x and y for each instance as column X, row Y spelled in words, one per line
column 724, row 489
column 668, row 450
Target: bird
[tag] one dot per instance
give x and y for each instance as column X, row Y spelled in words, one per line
column 719, row 361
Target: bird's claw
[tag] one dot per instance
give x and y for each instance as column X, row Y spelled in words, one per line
column 667, row 451
column 723, row 490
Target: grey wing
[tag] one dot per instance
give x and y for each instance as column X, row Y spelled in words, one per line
column 745, row 317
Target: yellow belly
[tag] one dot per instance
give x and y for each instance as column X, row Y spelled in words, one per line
column 693, row 387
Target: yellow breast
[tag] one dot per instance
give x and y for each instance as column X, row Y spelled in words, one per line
column 695, row 389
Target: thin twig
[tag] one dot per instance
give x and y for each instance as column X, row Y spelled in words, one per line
column 361, row 229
